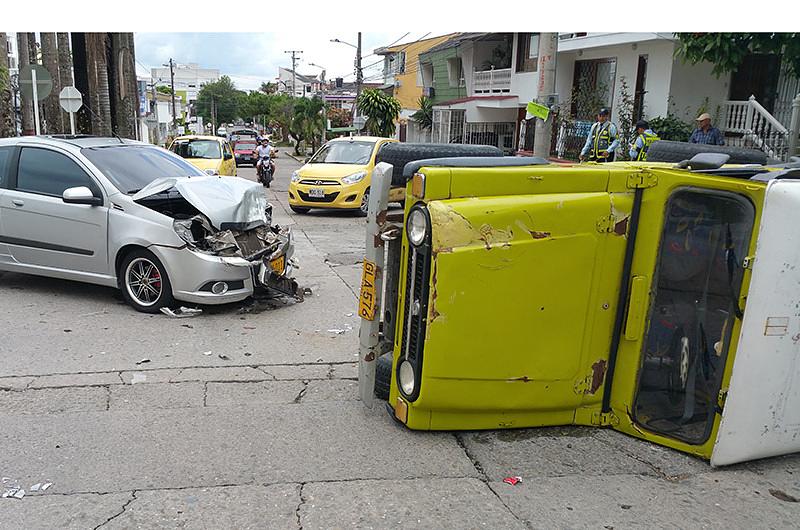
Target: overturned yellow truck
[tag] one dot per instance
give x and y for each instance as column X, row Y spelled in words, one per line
column 658, row 299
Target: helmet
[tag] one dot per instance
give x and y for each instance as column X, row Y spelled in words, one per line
column 603, row 112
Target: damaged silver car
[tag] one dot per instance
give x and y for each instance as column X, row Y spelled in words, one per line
column 135, row 216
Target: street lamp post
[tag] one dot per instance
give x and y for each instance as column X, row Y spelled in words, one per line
column 359, row 77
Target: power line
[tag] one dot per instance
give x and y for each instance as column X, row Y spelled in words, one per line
column 400, row 50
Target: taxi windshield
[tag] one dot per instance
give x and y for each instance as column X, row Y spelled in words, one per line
column 344, row 153
column 197, row 149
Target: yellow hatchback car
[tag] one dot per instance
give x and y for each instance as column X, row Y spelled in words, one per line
column 338, row 176
column 211, row 154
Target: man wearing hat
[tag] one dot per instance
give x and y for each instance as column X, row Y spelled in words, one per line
column 644, row 138
column 602, row 141
column 705, row 133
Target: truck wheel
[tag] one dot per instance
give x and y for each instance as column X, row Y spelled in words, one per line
column 400, row 154
column 383, row 376
column 668, row 151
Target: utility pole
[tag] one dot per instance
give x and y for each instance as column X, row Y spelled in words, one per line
column 172, row 86
column 213, row 116
column 359, row 75
column 548, row 49
column 294, row 53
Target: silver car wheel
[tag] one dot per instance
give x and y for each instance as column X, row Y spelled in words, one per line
column 364, row 207
column 143, row 281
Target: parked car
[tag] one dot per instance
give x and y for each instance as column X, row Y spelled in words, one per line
column 134, row 216
column 240, row 133
column 656, row 299
column 208, row 153
column 338, row 176
column 243, row 152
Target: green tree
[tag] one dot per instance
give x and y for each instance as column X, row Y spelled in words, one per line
column 727, row 50
column 268, row 88
column 625, row 118
column 424, row 116
column 308, row 122
column 163, row 89
column 218, row 102
column 381, row 111
column 255, row 105
column 340, row 117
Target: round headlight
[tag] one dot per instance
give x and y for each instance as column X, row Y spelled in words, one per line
column 417, row 227
column 406, row 378
column 295, row 176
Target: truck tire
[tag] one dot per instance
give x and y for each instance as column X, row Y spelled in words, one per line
column 398, row 154
column 668, row 151
column 383, row 376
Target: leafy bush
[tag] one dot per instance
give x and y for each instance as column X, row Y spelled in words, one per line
column 671, row 128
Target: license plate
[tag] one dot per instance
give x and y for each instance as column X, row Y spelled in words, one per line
column 367, row 303
column 278, row 264
column 317, row 193
column 247, row 158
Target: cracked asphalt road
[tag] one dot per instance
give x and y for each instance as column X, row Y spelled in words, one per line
column 250, row 420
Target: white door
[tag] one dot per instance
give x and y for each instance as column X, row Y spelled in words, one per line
column 761, row 417
column 40, row 229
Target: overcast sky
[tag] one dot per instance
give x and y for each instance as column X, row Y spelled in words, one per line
column 251, row 58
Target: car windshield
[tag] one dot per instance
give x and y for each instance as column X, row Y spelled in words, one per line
column 132, row 167
column 344, row 153
column 197, row 149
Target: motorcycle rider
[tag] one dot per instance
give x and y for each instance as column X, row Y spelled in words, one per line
column 264, row 152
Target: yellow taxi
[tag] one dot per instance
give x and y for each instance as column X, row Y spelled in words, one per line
column 338, row 176
column 211, row 154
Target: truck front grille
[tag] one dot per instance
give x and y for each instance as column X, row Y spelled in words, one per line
column 415, row 310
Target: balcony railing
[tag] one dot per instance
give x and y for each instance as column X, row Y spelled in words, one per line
column 749, row 124
column 494, row 81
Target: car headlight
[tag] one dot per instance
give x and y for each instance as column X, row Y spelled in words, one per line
column 405, row 377
column 417, row 226
column 355, row 177
column 213, row 172
column 295, row 176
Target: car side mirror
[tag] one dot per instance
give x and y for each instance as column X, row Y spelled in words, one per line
column 81, row 195
column 227, row 156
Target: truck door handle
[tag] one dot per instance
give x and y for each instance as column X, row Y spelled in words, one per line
column 17, row 202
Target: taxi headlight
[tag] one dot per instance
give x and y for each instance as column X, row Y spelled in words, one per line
column 295, row 176
column 212, row 172
column 355, row 177
column 405, row 377
column 417, row 226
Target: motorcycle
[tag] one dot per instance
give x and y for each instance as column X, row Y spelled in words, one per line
column 265, row 171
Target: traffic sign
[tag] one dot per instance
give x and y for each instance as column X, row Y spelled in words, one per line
column 44, row 82
column 70, row 99
column 359, row 122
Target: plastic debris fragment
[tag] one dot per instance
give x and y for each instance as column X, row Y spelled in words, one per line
column 36, row 486
column 337, row 331
column 181, row 312
column 512, row 480
column 46, row 485
column 138, row 377
column 206, row 353
column 224, row 357
column 145, row 360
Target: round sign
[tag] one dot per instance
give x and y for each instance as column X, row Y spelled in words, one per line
column 70, row 99
column 44, row 82
column 359, row 122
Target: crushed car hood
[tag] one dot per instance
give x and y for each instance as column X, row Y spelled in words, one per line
column 228, row 202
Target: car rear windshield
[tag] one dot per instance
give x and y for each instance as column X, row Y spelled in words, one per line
column 344, row 153
column 241, row 146
column 197, row 149
column 132, row 167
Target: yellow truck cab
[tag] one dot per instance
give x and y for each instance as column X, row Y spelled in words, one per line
column 656, row 299
column 211, row 154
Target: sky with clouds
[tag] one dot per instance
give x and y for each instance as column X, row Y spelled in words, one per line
column 251, row 58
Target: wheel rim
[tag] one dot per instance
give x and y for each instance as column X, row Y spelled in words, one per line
column 684, row 362
column 364, row 203
column 143, row 282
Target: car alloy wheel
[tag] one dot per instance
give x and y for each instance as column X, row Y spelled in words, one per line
column 364, row 207
column 143, row 282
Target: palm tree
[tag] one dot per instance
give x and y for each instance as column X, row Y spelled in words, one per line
column 52, row 109
column 381, row 111
column 424, row 116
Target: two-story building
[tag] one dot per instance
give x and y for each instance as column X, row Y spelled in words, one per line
column 480, row 84
column 403, row 80
column 303, row 86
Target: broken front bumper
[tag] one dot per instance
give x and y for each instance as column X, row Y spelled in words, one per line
column 193, row 274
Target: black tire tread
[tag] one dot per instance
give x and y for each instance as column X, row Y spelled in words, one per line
column 398, row 154
column 383, row 376
column 669, row 151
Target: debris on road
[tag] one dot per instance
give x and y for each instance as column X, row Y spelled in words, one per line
column 36, row 486
column 224, row 357
column 145, row 360
column 16, row 493
column 206, row 353
column 46, row 485
column 138, row 377
column 512, row 480
column 337, row 331
column 181, row 312
column 307, row 291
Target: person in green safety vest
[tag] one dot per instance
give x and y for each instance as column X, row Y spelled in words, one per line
column 644, row 139
column 602, row 141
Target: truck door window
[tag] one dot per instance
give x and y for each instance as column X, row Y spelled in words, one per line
column 696, row 289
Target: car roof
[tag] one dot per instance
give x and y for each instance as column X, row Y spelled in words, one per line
column 199, row 137
column 78, row 140
column 360, row 139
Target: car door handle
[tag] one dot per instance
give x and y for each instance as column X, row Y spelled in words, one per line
column 17, row 202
